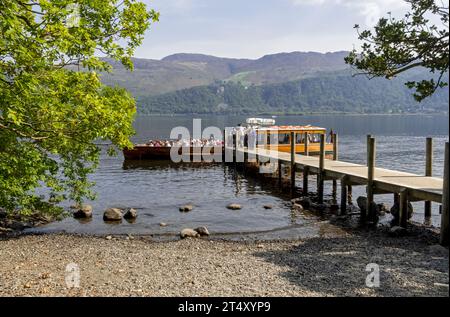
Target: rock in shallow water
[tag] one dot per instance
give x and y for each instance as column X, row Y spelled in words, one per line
column 112, row 214
column 202, row 231
column 362, row 203
column 234, row 206
column 84, row 212
column 130, row 214
column 186, row 208
column 268, row 206
column 189, row 233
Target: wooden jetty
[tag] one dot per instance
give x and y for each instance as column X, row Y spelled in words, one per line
column 406, row 187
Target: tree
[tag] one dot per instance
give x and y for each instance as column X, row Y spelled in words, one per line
column 398, row 45
column 53, row 107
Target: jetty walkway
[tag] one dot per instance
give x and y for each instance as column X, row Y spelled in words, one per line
column 406, row 187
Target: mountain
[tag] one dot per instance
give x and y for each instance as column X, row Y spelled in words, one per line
column 334, row 92
column 296, row 82
column 180, row 71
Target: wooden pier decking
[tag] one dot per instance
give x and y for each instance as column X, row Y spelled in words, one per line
column 387, row 181
column 406, row 187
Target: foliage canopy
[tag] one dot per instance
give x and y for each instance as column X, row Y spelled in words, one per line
column 398, row 45
column 51, row 113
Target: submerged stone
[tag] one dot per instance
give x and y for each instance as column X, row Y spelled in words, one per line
column 112, row 214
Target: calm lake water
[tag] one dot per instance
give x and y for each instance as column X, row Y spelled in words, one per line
column 158, row 189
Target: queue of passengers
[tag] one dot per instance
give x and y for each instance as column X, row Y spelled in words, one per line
column 185, row 143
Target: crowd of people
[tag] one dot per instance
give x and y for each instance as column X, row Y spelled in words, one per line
column 185, row 143
column 247, row 137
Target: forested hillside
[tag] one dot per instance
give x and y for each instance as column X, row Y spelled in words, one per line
column 325, row 93
column 298, row 82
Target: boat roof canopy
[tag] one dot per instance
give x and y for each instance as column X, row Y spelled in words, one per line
column 260, row 121
column 292, row 128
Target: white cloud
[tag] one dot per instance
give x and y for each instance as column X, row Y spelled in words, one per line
column 372, row 10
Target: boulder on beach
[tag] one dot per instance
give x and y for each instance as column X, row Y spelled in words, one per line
column 202, row 231
column 374, row 208
column 189, row 233
column 297, row 207
column 186, row 208
column 234, row 206
column 130, row 214
column 84, row 212
column 305, row 202
column 395, row 212
column 112, row 214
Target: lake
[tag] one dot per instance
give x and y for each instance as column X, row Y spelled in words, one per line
column 158, row 189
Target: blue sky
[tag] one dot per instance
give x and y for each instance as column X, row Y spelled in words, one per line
column 253, row 28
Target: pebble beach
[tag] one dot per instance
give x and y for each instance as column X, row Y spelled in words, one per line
column 35, row 265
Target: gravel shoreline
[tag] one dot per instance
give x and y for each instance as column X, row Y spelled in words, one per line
column 35, row 265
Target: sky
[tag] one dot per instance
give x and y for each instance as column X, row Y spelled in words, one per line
column 254, row 28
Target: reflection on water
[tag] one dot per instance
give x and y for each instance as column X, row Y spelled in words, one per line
column 158, row 188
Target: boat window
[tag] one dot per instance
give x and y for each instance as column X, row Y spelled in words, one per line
column 261, row 138
column 284, row 138
column 300, row 138
column 314, row 138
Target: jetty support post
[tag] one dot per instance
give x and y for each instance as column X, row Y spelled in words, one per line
column 244, row 165
column 306, row 153
column 396, row 198
column 305, row 168
column 369, row 136
column 350, row 194
column 280, row 173
column 320, row 176
column 343, row 208
column 245, row 153
column 335, row 158
column 429, row 173
column 370, row 180
column 445, row 197
column 305, row 180
column 224, row 138
column 403, row 208
column 292, row 162
column 235, row 142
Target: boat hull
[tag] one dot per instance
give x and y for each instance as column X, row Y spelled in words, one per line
column 163, row 153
